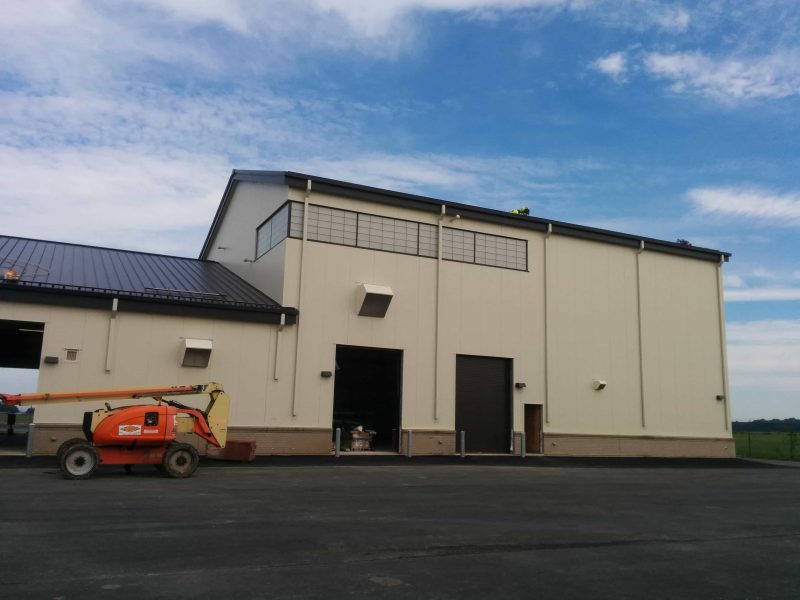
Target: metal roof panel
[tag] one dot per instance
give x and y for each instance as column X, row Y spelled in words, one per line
column 46, row 265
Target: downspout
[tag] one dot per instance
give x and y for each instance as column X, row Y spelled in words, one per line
column 278, row 346
column 112, row 335
column 300, row 297
column 639, row 329
column 546, row 320
column 723, row 344
column 438, row 305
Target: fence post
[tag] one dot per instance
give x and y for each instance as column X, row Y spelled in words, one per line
column 750, row 444
column 338, row 447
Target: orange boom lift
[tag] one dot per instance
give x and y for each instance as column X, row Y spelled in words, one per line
column 143, row 434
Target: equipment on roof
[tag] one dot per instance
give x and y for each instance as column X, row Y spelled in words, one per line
column 143, row 434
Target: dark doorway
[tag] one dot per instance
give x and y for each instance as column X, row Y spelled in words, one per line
column 483, row 403
column 20, row 356
column 20, row 344
column 368, row 392
column 533, row 428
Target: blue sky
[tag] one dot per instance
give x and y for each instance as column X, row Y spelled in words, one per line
column 120, row 122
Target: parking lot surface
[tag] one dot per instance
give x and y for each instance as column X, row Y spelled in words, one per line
column 405, row 529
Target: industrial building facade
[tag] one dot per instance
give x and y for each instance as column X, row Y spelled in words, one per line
column 417, row 319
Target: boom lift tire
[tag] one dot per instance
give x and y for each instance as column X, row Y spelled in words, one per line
column 79, row 461
column 65, row 446
column 180, row 460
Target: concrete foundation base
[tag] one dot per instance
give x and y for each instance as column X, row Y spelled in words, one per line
column 561, row 444
column 311, row 441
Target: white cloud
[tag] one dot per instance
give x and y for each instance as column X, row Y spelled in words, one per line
column 765, row 354
column 119, row 197
column 762, row 294
column 729, row 79
column 735, row 281
column 614, row 65
column 764, row 368
column 748, row 203
column 230, row 15
column 140, row 197
column 79, row 42
column 674, row 19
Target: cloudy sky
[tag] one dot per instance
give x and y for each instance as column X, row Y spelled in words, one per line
column 120, row 122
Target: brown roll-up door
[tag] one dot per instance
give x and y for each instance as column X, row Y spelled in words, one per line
column 483, row 407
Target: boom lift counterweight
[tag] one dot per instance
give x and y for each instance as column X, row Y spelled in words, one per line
column 140, row 434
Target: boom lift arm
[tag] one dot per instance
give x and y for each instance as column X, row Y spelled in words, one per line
column 140, row 434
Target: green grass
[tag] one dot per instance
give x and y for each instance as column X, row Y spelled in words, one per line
column 776, row 445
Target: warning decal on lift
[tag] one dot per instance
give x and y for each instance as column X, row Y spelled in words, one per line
column 130, row 430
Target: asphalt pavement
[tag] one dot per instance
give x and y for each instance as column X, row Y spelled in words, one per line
column 405, row 529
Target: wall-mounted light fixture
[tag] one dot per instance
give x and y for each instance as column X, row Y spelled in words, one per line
column 520, row 385
column 598, row 384
column 326, row 374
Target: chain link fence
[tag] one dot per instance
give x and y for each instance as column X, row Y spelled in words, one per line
column 778, row 445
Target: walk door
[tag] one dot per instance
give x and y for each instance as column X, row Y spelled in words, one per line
column 483, row 403
column 533, row 428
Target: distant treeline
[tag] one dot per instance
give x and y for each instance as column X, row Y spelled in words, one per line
column 767, row 425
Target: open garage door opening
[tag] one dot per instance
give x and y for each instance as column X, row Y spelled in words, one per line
column 483, row 403
column 20, row 357
column 367, row 394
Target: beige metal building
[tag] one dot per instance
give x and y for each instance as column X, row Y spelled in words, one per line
column 419, row 319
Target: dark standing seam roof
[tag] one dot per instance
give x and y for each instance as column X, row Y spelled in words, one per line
column 91, row 270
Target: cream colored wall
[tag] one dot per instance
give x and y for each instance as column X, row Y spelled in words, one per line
column 148, row 352
column 249, row 206
column 593, row 333
column 592, row 329
column 683, row 371
column 485, row 310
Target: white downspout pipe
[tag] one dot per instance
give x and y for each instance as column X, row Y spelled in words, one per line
column 300, row 297
column 112, row 335
column 438, row 313
column 639, row 329
column 723, row 344
column 544, row 329
column 278, row 347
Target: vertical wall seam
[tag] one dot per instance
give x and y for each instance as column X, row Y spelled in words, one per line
column 639, row 328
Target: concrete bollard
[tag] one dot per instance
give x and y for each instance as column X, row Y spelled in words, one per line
column 338, row 446
column 522, row 445
column 462, row 442
column 408, row 444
